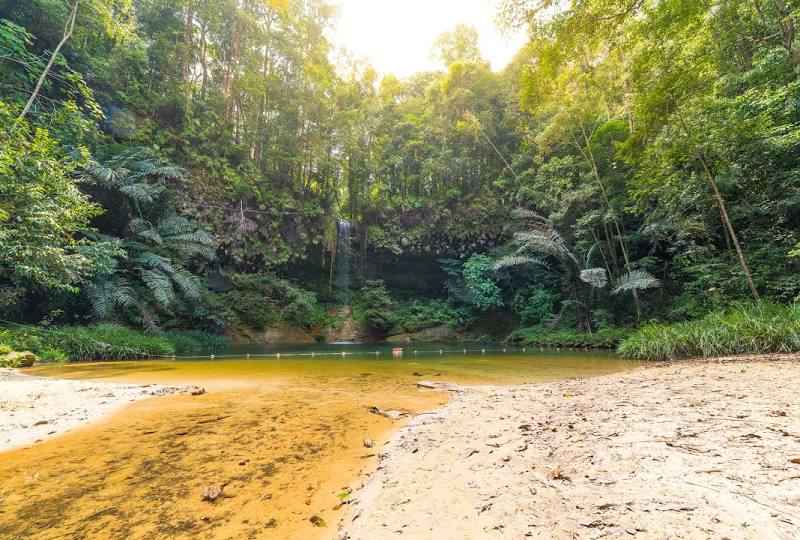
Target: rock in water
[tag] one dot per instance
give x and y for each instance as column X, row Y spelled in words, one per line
column 428, row 385
column 16, row 359
column 212, row 493
column 392, row 415
column 317, row 521
column 368, row 442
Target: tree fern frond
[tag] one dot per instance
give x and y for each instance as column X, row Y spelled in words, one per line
column 529, row 215
column 152, row 236
column 137, row 225
column 189, row 249
column 153, row 262
column 160, row 286
column 174, row 225
column 99, row 295
column 187, row 282
column 142, row 192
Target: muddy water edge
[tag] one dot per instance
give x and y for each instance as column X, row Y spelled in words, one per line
column 286, row 446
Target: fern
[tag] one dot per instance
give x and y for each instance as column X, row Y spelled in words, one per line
column 160, row 286
column 150, row 272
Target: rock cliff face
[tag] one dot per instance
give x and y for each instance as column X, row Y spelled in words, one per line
column 436, row 334
column 348, row 331
column 272, row 335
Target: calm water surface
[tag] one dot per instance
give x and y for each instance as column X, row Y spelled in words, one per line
column 453, row 362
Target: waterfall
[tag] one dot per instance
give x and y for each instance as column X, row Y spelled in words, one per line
column 344, row 252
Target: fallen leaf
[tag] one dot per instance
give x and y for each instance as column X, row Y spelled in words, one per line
column 317, row 521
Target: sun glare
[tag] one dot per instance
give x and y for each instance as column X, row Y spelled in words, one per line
column 396, row 36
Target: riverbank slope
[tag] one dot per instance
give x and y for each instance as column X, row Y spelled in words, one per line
column 699, row 449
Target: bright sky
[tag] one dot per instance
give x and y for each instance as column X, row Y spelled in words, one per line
column 396, row 36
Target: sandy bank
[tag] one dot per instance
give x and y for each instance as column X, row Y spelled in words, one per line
column 688, row 450
column 33, row 408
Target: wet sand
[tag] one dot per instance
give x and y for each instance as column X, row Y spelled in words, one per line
column 706, row 449
column 283, row 454
column 285, row 439
column 35, row 408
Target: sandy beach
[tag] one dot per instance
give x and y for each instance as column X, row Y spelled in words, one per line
column 705, row 449
column 35, row 408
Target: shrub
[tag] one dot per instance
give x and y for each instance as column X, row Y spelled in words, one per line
column 105, row 342
column 374, row 306
column 534, row 305
column 606, row 338
column 418, row 315
column 194, row 340
column 478, row 275
column 743, row 329
column 4, row 349
column 262, row 300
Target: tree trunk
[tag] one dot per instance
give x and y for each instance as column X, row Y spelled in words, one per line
column 203, row 61
column 722, row 210
column 188, row 40
column 70, row 26
column 788, row 32
column 727, row 221
column 589, row 157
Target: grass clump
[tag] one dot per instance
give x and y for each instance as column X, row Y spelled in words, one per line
column 605, row 338
column 105, row 342
column 744, row 329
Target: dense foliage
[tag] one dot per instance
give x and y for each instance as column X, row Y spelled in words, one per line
column 175, row 164
column 104, row 342
column 747, row 328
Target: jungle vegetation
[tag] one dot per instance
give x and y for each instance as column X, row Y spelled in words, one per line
column 182, row 164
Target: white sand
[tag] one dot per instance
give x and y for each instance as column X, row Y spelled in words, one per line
column 688, row 450
column 33, row 408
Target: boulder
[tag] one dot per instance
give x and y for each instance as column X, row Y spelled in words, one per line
column 16, row 359
column 448, row 387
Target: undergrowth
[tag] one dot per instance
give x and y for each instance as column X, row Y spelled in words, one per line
column 605, row 338
column 104, row 342
column 744, row 329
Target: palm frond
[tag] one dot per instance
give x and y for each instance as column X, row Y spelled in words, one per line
column 517, row 260
column 596, row 277
column 635, row 280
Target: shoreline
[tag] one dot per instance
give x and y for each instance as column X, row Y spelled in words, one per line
column 34, row 409
column 697, row 449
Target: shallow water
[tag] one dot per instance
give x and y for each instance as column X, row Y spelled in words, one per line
column 285, row 433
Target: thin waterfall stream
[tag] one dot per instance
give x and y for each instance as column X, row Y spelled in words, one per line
column 344, row 270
